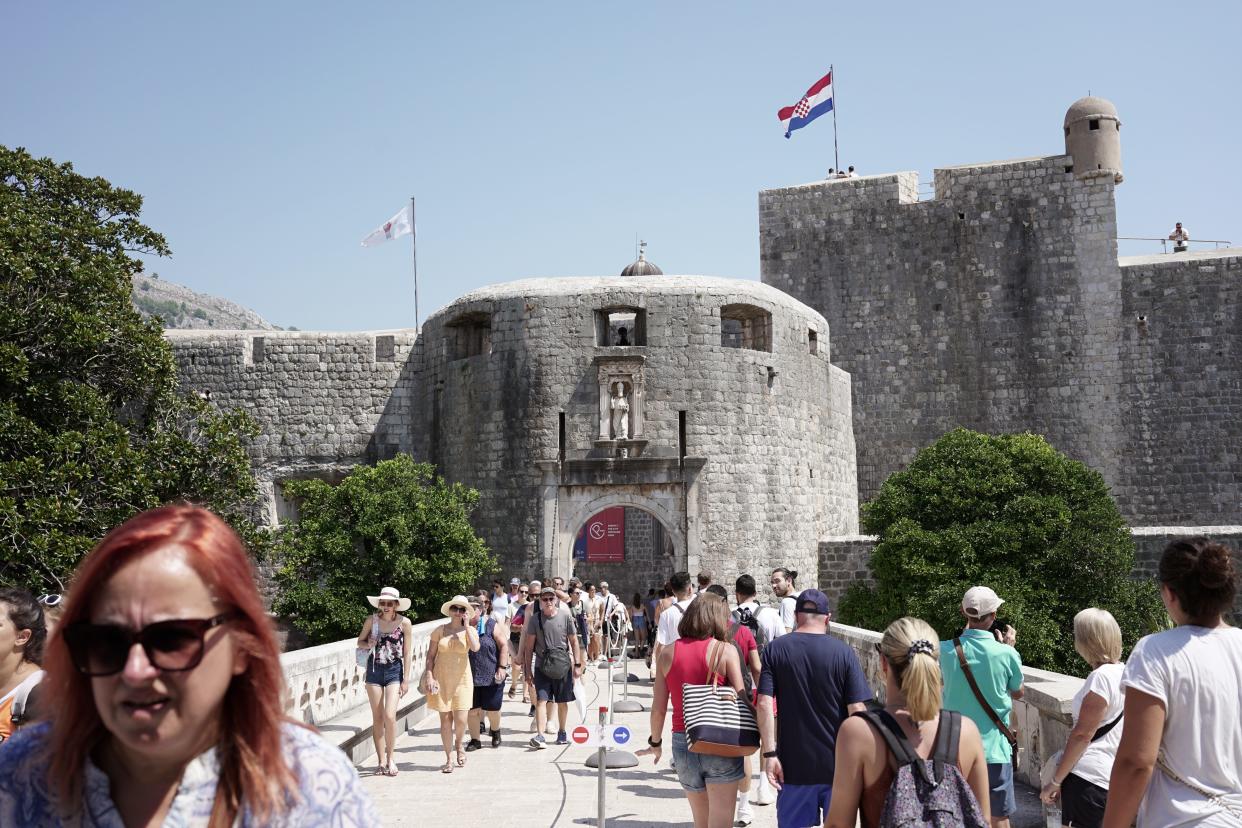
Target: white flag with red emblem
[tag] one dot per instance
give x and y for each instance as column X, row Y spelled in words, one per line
column 402, row 224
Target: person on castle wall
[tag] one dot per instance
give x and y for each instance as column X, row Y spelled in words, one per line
column 619, row 406
column 1179, row 237
column 390, row 638
column 623, row 337
column 447, row 680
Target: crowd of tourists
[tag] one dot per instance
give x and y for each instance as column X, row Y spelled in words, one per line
column 153, row 695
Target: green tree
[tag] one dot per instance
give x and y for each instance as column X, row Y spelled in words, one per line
column 92, row 425
column 391, row 524
column 1014, row 514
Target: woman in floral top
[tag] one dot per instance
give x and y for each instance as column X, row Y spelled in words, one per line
column 165, row 685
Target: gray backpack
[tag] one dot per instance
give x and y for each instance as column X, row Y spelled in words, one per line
column 931, row 792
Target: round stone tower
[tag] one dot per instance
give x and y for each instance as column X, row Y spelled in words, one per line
column 1093, row 138
column 709, row 404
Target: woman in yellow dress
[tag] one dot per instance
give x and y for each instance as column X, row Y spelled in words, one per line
column 448, row 682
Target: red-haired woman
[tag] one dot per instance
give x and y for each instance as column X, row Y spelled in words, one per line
column 164, row 691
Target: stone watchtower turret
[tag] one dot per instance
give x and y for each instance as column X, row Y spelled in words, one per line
column 1093, row 138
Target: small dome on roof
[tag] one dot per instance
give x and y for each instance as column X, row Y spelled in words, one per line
column 1090, row 107
column 642, row 267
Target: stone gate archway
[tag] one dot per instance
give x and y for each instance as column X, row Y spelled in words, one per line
column 574, row 491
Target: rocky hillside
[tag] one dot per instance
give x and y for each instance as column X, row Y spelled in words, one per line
column 176, row 306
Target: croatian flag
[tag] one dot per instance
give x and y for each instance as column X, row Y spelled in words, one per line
column 817, row 101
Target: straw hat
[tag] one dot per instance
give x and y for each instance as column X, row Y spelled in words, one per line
column 455, row 601
column 389, row 594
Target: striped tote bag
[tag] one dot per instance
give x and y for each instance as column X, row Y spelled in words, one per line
column 719, row 722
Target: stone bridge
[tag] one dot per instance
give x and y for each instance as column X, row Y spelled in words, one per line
column 553, row 788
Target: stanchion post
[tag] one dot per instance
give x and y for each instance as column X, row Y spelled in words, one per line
column 602, row 762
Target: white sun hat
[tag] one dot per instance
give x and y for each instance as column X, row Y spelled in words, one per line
column 389, row 594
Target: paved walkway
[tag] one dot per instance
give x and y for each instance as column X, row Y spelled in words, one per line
column 551, row 788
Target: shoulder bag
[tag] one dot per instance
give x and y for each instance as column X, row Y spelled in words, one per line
column 1214, row 798
column 718, row 721
column 363, row 654
column 1010, row 736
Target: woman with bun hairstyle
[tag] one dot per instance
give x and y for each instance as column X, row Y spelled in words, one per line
column 164, row 697
column 910, row 661
column 1180, row 757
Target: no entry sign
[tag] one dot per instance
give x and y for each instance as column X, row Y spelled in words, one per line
column 581, row 735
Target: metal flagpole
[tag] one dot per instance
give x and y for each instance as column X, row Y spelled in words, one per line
column 835, row 155
column 414, row 236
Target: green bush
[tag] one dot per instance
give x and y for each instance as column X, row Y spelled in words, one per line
column 93, row 427
column 391, row 524
column 1012, row 513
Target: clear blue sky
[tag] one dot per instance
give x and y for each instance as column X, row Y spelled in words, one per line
column 269, row 137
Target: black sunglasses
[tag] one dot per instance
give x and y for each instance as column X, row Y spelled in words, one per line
column 172, row 646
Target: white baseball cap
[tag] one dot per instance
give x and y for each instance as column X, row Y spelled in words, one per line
column 980, row 601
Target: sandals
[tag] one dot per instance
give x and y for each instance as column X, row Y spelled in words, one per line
column 392, row 769
column 447, row 767
column 461, row 758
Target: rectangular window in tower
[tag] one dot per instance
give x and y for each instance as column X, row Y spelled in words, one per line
column 1093, row 124
column 620, row 327
column 812, row 339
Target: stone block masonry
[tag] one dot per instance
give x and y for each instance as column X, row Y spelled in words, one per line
column 324, row 402
column 1000, row 305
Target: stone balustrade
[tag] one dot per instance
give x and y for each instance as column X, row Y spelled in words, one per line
column 325, row 682
column 1042, row 715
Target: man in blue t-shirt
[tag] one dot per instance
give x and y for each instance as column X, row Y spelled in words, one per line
column 817, row 682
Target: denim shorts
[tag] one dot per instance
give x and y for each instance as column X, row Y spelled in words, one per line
column 1000, row 780
column 695, row 771
column 383, row 675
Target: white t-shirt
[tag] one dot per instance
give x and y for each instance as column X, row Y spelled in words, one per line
column 1197, row 673
column 1096, row 764
column 669, row 619
column 768, row 619
column 500, row 607
column 788, row 604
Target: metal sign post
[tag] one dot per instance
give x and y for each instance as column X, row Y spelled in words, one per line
column 601, row 762
column 627, row 705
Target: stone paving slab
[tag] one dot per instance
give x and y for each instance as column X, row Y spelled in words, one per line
column 517, row 787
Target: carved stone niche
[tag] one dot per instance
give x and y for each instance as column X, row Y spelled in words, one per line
column 622, row 397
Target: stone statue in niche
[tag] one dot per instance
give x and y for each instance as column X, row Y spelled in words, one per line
column 619, row 406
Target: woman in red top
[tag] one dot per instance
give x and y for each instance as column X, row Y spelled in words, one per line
column 710, row 782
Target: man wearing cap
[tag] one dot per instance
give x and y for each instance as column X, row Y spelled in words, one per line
column 817, row 682
column 551, row 635
column 997, row 671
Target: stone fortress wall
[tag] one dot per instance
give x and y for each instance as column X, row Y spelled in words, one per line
column 1000, row 305
column 324, row 402
column 744, row 444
